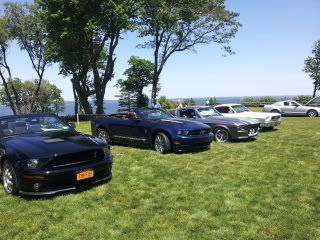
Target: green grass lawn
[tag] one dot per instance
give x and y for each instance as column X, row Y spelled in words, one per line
column 263, row 189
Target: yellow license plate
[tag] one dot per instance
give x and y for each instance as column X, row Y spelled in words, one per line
column 85, row 174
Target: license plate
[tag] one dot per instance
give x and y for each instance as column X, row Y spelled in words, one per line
column 85, row 174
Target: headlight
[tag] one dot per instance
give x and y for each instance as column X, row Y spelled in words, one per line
column 33, row 163
column 183, row 132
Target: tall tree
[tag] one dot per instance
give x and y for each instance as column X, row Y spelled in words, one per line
column 5, row 71
column 139, row 75
column 25, row 27
column 82, row 38
column 175, row 26
column 312, row 67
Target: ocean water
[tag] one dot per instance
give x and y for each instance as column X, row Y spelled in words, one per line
column 111, row 106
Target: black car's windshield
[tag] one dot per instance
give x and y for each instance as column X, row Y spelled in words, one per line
column 240, row 108
column 209, row 112
column 154, row 114
column 31, row 124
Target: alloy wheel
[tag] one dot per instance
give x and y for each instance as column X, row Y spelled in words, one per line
column 222, row 135
column 104, row 135
column 159, row 144
column 8, row 180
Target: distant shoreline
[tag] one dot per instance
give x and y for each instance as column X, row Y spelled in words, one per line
column 111, row 106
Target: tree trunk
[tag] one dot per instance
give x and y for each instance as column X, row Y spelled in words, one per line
column 82, row 95
column 100, row 100
column 316, row 85
column 6, row 89
column 76, row 101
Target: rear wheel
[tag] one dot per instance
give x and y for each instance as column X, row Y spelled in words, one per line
column 104, row 135
column 312, row 113
column 9, row 179
column 162, row 143
column 221, row 135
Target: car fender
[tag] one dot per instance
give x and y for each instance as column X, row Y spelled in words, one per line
column 221, row 126
column 155, row 131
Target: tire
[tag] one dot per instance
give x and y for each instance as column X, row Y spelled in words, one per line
column 104, row 135
column 162, row 143
column 221, row 135
column 312, row 113
column 9, row 179
column 275, row 111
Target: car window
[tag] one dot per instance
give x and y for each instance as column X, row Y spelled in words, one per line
column 31, row 124
column 154, row 114
column 286, row 103
column 188, row 113
column 240, row 108
column 223, row 109
column 208, row 112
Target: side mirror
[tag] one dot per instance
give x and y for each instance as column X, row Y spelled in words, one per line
column 71, row 124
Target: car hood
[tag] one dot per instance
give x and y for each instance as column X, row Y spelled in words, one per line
column 53, row 143
column 235, row 121
column 257, row 115
column 183, row 123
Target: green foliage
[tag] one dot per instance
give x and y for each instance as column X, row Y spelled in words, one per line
column 127, row 101
column 312, row 66
column 82, row 38
column 247, row 100
column 303, row 98
column 166, row 103
column 175, row 26
column 139, row 75
column 189, row 102
column 48, row 100
column 213, row 101
column 265, row 100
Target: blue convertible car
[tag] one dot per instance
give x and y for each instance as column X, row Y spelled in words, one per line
column 154, row 128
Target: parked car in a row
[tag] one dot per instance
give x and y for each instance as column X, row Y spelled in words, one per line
column 41, row 154
column 267, row 120
column 224, row 129
column 154, row 128
column 292, row 108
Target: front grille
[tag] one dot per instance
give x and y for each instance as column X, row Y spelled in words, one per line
column 199, row 132
column 76, row 159
column 275, row 117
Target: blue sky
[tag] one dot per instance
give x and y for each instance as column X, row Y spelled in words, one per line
column 276, row 37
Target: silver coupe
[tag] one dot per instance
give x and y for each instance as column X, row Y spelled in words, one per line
column 292, row 108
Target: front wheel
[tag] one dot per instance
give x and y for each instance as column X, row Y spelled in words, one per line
column 9, row 179
column 162, row 143
column 104, row 135
column 221, row 135
column 312, row 113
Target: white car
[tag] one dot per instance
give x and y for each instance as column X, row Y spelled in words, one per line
column 267, row 120
column 292, row 108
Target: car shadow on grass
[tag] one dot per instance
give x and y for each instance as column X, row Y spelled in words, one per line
column 271, row 129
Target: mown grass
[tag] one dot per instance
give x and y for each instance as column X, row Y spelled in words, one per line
column 263, row 189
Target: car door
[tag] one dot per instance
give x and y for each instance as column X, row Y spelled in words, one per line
column 288, row 108
column 131, row 129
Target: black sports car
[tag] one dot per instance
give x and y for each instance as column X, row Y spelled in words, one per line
column 41, row 154
column 224, row 129
column 154, row 128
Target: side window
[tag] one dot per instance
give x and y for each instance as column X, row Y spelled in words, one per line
column 223, row 109
column 188, row 113
column 286, row 103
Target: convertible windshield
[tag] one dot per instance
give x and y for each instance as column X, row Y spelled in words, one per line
column 154, row 114
column 208, row 112
column 240, row 108
column 23, row 125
